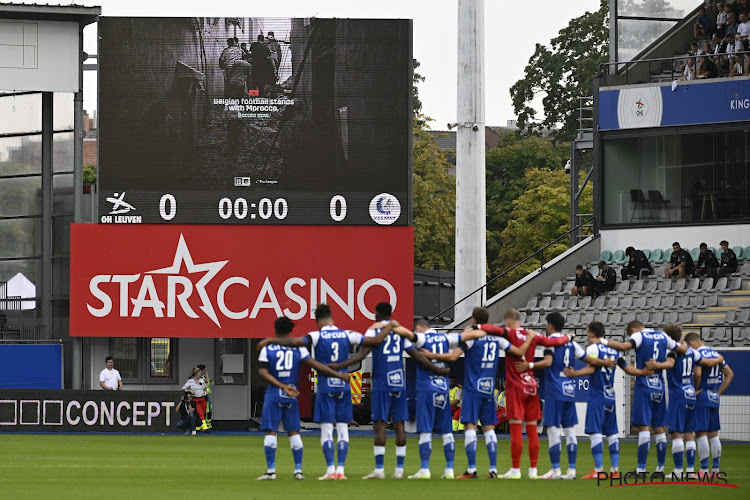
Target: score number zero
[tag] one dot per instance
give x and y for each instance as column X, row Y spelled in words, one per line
column 239, row 208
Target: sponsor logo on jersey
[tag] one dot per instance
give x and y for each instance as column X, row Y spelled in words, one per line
column 395, row 378
column 439, row 400
column 485, row 385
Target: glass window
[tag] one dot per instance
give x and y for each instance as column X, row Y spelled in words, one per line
column 162, row 355
column 62, row 194
column 61, row 235
column 61, row 278
column 677, row 178
column 20, row 155
column 676, row 9
column 29, row 268
column 62, row 152
column 125, row 352
column 635, row 35
column 62, row 111
column 21, row 113
column 231, row 361
column 19, row 238
column 20, row 196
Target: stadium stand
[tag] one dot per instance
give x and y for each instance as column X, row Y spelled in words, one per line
column 719, row 310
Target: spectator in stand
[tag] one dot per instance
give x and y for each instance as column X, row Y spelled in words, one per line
column 606, row 280
column 742, row 6
column 707, row 264
column 584, row 282
column 681, row 263
column 728, row 263
column 735, row 66
column 721, row 21
column 747, row 64
column 707, row 68
column 688, row 73
column 731, row 25
column 702, row 24
column 638, row 266
column 743, row 32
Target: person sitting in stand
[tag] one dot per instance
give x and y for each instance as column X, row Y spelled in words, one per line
column 728, row 264
column 681, row 263
column 584, row 282
column 638, row 266
column 606, row 280
column 707, row 264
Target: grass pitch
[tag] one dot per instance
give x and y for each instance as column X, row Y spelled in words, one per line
column 225, row 466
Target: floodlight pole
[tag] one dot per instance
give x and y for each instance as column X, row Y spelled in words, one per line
column 471, row 224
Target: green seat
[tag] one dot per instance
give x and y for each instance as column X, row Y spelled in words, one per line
column 606, row 256
column 695, row 253
column 657, row 256
column 714, row 251
column 646, row 252
column 619, row 257
column 746, row 253
column 740, row 254
column 668, row 254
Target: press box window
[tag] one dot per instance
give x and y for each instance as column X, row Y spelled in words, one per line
column 231, row 361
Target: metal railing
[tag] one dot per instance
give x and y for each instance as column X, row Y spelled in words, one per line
column 537, row 254
column 605, row 69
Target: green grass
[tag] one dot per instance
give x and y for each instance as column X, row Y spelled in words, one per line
column 215, row 466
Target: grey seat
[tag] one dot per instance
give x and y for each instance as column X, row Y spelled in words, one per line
column 694, row 285
column 657, row 319
column 640, row 302
column 650, row 285
column 671, row 316
column 615, row 317
column 643, row 317
column 612, row 302
column 555, row 288
column 574, row 318
column 568, row 286
column 543, row 304
column 558, row 303
column 637, row 286
column 685, row 317
column 707, row 284
column 523, row 317
column 531, row 304
column 654, row 301
column 720, row 286
column 599, row 302
column 696, row 301
column 602, row 317
column 743, row 337
column 585, row 302
column 683, row 301
column 623, row 287
column 533, row 318
column 572, row 303
column 742, row 317
column 728, row 317
column 723, row 335
column 628, row 317
column 664, row 285
column 668, row 301
column 710, row 300
column 626, row 302
column 736, row 283
column 680, row 284
column 587, row 317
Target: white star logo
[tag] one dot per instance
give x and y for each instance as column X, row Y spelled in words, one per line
column 182, row 254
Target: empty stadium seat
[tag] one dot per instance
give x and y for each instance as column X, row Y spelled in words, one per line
column 685, row 317
column 523, row 317
column 587, row 317
column 640, row 301
column 657, row 256
column 679, row 285
column 555, row 289
column 694, row 285
column 626, row 302
column 711, row 300
column 667, row 301
column 707, row 284
column 683, row 301
column 572, row 303
column 721, row 285
column 531, row 304
column 695, row 253
column 637, row 286
column 599, row 302
column 657, row 318
column 650, row 285
column 573, row 318
column 654, row 302
column 620, row 258
column 615, row 318
column 612, row 302
column 628, row 317
column 741, row 318
column 646, row 252
column 746, row 253
column 606, row 256
column 533, row 318
column 585, row 302
column 696, row 301
column 623, row 287
column 568, row 286
column 602, row 317
column 558, row 303
column 543, row 304
column 743, row 337
column 736, row 283
column 671, row 316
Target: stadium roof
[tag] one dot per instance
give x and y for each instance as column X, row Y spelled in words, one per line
column 44, row 12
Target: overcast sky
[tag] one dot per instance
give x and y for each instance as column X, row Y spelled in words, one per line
column 511, row 31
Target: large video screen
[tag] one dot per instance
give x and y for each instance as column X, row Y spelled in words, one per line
column 242, row 120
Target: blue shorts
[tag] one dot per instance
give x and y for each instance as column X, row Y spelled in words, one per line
column 601, row 418
column 558, row 413
column 275, row 411
column 389, row 404
column 680, row 414
column 332, row 407
column 476, row 408
column 649, row 409
column 434, row 412
column 707, row 418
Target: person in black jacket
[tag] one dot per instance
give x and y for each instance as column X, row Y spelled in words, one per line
column 681, row 263
column 606, row 280
column 584, row 282
column 707, row 264
column 728, row 263
column 638, row 266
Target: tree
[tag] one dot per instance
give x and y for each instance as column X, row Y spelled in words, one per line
column 434, row 202
column 416, row 104
column 539, row 215
column 506, row 180
column 89, row 174
column 563, row 73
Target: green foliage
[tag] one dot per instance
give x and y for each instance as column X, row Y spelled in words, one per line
column 506, row 168
column 563, row 73
column 539, row 215
column 416, row 103
column 89, row 175
column 434, row 202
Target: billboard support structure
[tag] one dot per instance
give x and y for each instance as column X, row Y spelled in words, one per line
column 471, row 247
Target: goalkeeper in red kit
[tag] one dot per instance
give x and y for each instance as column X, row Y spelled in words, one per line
column 522, row 401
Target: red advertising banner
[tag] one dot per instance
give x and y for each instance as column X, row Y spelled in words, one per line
column 233, row 281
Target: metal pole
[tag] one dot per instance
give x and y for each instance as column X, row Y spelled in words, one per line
column 46, row 263
column 77, row 358
column 471, row 253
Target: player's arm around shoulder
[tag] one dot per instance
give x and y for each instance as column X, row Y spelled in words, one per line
column 728, row 377
column 326, row 370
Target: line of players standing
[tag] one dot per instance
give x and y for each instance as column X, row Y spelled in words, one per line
column 480, row 344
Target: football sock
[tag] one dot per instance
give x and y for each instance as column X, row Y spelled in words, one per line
column 295, row 442
column 269, row 445
column 661, row 451
column 597, row 450
column 644, row 442
column 516, row 444
column 379, row 456
column 678, row 451
column 690, row 454
column 490, row 440
column 614, row 451
column 449, row 449
column 470, row 443
column 400, row 456
column 342, row 432
column 571, row 442
column 531, row 432
column 553, row 434
column 326, row 441
column 425, row 449
column 703, row 450
column 716, row 451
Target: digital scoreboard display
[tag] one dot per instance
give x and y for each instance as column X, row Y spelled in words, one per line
column 222, row 120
